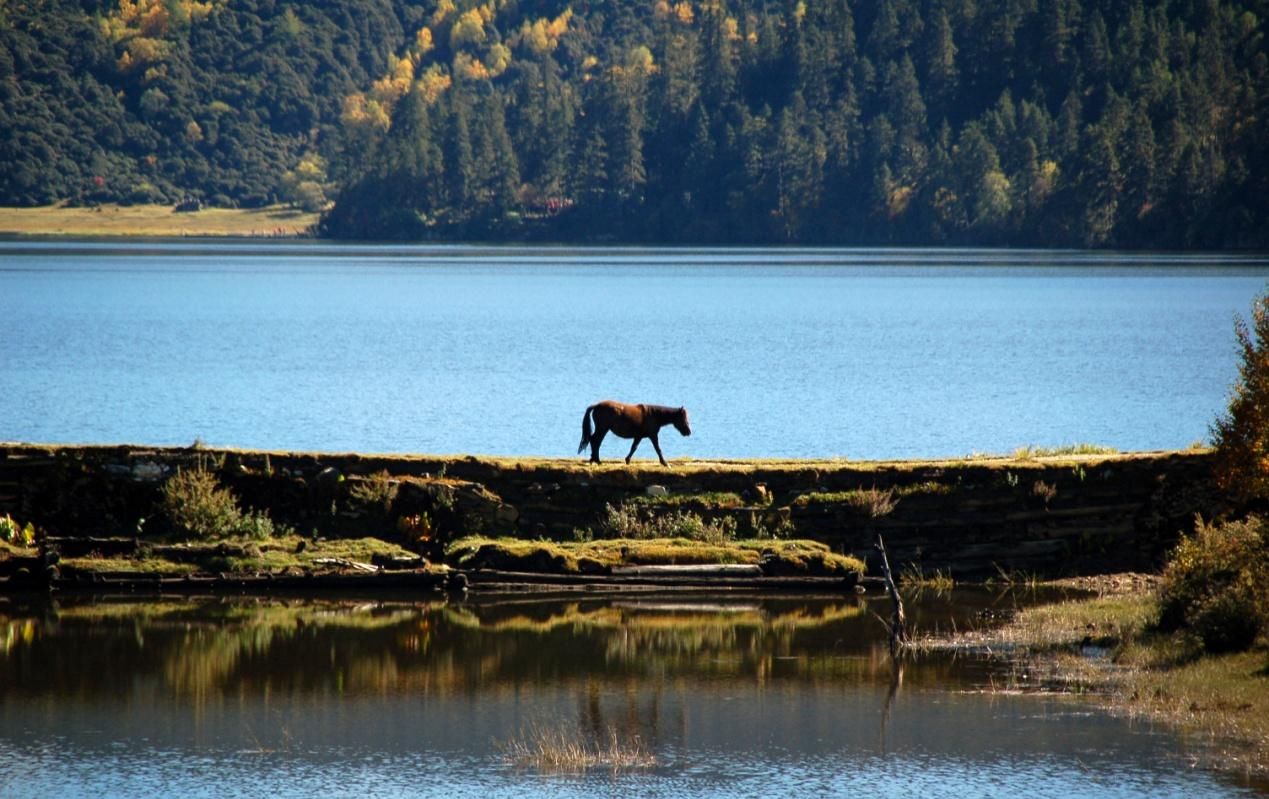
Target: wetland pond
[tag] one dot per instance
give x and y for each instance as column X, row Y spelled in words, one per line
column 732, row 696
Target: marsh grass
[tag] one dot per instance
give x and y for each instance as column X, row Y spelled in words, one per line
column 913, row 576
column 569, row 749
column 1109, row 646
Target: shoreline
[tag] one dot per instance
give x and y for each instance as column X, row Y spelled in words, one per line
column 1060, row 515
column 1105, row 648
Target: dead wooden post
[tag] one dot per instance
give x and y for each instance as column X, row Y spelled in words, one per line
column 898, row 621
column 878, row 503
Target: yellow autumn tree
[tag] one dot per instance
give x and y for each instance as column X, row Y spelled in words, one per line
column 1241, row 434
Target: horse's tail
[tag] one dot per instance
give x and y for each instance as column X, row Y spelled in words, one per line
column 586, row 428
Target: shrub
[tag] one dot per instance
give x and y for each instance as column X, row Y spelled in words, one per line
column 17, row 534
column 629, row 521
column 376, row 492
column 1241, row 435
column 198, row 506
column 1217, row 585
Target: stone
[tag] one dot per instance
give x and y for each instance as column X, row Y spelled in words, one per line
column 146, row 470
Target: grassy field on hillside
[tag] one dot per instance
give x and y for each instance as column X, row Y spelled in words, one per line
column 155, row 220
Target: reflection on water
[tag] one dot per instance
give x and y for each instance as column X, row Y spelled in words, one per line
column 734, row 696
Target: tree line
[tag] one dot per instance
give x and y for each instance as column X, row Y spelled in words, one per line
column 1017, row 122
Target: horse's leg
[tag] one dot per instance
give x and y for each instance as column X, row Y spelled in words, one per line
column 633, row 447
column 595, row 441
column 657, row 444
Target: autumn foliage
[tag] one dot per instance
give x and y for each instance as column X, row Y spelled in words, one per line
column 1241, row 435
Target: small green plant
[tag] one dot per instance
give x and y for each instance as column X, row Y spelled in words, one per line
column 22, row 535
column 1217, row 585
column 782, row 529
column 197, row 506
column 378, row 491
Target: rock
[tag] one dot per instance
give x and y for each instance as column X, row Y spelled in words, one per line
column 456, row 582
column 657, row 491
column 386, row 561
column 147, row 471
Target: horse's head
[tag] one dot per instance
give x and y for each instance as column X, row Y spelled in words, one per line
column 680, row 422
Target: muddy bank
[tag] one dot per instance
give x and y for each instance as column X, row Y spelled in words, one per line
column 1051, row 517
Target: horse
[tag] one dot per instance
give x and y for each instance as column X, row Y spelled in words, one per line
column 630, row 421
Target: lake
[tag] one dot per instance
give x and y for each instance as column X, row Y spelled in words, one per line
column 498, row 350
column 733, row 696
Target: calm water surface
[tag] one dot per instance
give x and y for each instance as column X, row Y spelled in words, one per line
column 789, row 352
column 788, row 697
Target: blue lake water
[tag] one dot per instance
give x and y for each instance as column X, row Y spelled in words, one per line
column 456, row 349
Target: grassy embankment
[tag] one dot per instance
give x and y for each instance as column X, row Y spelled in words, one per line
column 155, row 220
column 1111, row 647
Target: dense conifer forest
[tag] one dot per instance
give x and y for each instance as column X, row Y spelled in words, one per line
column 1103, row 123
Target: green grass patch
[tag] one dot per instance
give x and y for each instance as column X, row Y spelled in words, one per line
column 708, row 499
column 148, row 566
column 865, row 498
column 515, row 554
column 274, row 555
column 1031, row 452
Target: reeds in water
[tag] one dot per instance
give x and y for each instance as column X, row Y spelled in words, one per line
column 565, row 749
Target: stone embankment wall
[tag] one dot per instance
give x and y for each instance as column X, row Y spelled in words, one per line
column 971, row 517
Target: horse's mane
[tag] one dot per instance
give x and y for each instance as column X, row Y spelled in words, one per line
column 666, row 409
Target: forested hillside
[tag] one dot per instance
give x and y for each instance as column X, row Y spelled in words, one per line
column 1023, row 122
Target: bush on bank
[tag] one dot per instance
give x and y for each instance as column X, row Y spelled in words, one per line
column 1217, row 585
column 197, row 506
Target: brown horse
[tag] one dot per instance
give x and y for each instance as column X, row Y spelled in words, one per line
column 630, row 421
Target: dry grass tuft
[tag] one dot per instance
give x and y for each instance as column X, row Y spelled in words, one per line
column 563, row 749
